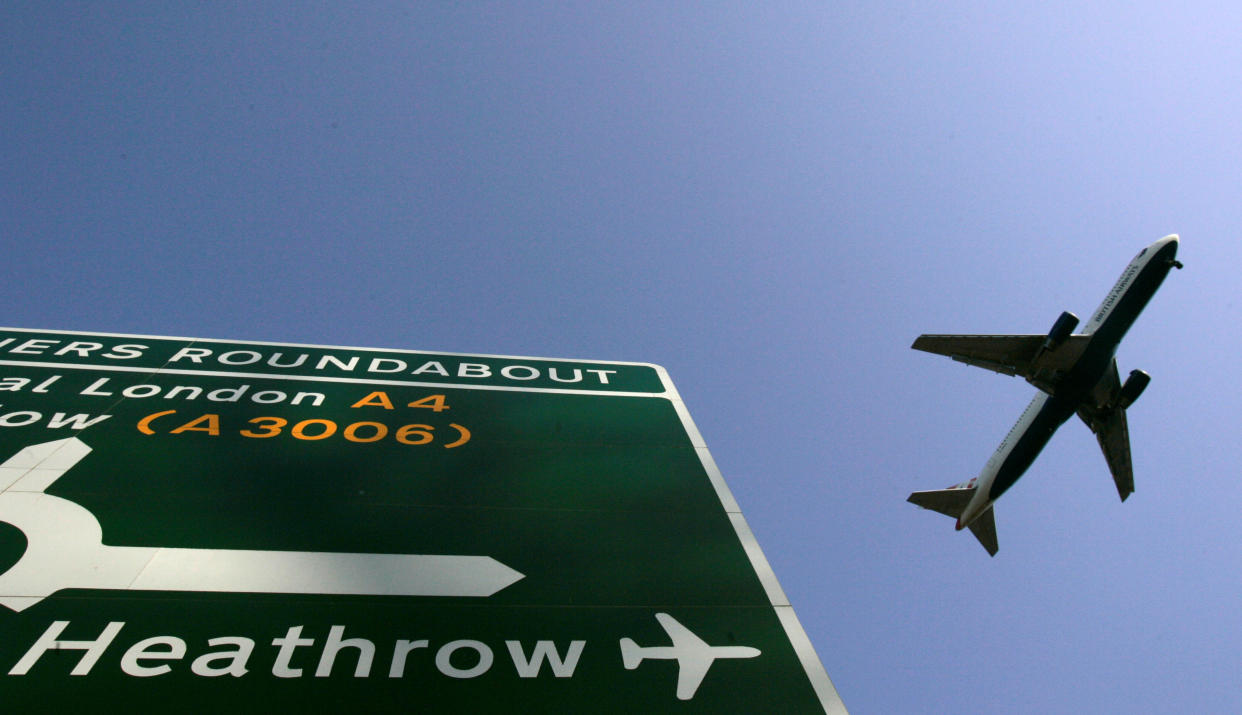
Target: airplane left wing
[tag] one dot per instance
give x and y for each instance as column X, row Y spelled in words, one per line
column 1114, row 438
column 1112, row 431
column 1021, row 355
column 694, row 661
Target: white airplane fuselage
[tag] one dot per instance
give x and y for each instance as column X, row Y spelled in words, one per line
column 1050, row 409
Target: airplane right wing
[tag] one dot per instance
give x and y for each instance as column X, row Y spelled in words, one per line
column 1020, row 355
column 1111, row 431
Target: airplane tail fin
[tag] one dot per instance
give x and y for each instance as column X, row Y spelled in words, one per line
column 984, row 529
column 952, row 502
column 631, row 654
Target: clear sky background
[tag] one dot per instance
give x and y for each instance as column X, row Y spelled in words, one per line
column 772, row 202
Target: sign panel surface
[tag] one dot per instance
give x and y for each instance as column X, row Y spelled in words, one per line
column 267, row 526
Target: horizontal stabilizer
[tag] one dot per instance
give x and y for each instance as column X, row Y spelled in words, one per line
column 984, row 529
column 631, row 653
column 952, row 502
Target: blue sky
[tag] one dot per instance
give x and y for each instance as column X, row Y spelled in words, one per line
column 771, row 202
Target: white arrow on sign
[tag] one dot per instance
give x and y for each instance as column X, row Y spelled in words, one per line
column 65, row 550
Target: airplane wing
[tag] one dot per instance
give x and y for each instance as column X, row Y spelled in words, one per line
column 694, row 657
column 1111, row 431
column 1008, row 354
column 691, row 672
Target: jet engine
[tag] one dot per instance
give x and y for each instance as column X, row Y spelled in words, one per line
column 1134, row 386
column 1061, row 330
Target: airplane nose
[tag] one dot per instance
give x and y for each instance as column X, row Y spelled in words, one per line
column 1170, row 250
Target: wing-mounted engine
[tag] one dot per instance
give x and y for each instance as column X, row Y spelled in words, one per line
column 1133, row 387
column 1046, row 367
column 1062, row 329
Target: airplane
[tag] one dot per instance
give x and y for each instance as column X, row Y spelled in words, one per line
column 692, row 654
column 1074, row 372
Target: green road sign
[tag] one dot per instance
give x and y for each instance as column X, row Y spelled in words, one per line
column 235, row 527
